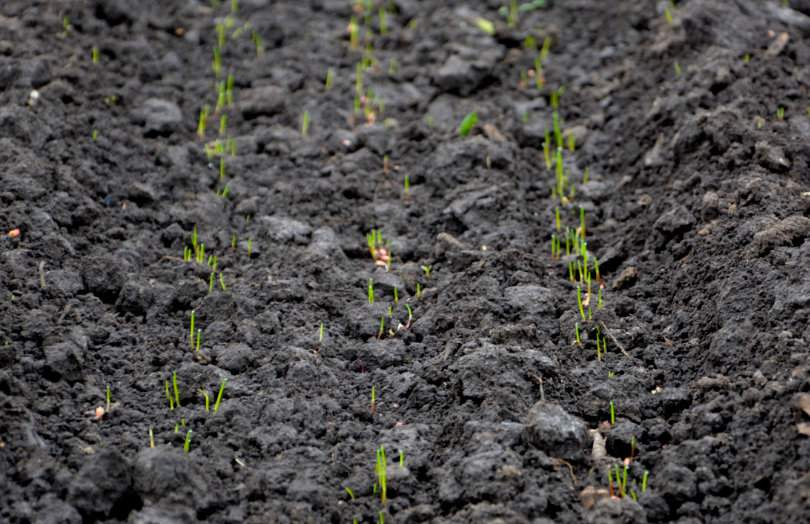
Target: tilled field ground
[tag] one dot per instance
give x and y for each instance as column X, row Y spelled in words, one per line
column 197, row 326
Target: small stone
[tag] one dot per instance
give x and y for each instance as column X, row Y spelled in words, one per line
column 158, row 117
column 262, row 101
column 235, row 358
column 626, row 278
column 771, row 157
column 556, row 432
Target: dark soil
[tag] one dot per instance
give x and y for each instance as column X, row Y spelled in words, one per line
column 697, row 208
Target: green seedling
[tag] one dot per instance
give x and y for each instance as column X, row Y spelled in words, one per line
column 410, row 314
column 151, row 437
column 644, row 480
column 383, row 17
column 216, row 64
column 381, row 330
column 407, row 185
column 191, row 329
column 199, row 340
column 202, row 122
column 176, row 389
column 586, row 175
column 547, row 150
column 373, row 406
column 396, row 295
column 557, row 220
column 95, row 55
column 678, row 69
column 349, row 492
column 219, row 394
column 225, row 191
column 371, row 291
column 169, row 396
column 668, row 15
column 94, row 135
column 211, row 282
column 780, row 113
column 221, row 168
column 467, row 124
column 234, row 7
column 485, row 25
column 555, row 124
column 223, row 124
column 582, row 222
column 66, row 25
column 233, row 241
column 401, row 459
column 258, row 43
column 572, row 143
column 354, row 33
column 222, row 285
column 427, row 270
column 576, row 334
column 220, row 29
column 305, row 124
column 418, row 290
column 579, row 301
column 108, row 398
column 187, row 443
column 320, row 334
column 612, row 413
column 381, row 469
column 249, row 247
column 330, row 79
column 229, row 82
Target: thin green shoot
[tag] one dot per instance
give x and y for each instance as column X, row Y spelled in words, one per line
column 202, row 122
column 373, row 406
column 512, row 15
column 222, row 282
column 187, row 443
column 371, row 291
column 249, row 247
column 401, row 459
column 220, row 29
column 557, row 220
column 555, row 123
column 381, row 330
column 223, row 124
column 780, row 113
column 572, row 142
column 219, row 394
column 95, row 55
column 349, row 492
column 545, row 49
column 233, row 241
column 427, row 270
column 407, row 185
column 258, row 43
column 305, row 124
column 67, row 27
column 216, row 64
column 576, row 334
column 199, row 341
column 320, row 333
column 418, row 290
column 383, row 17
column 612, row 413
column 467, row 124
column 381, row 468
column 678, row 69
column 644, row 480
column 109, row 398
column 176, row 389
column 191, row 327
column 586, row 175
column 668, row 15
column 547, row 150
column 330, row 79
column 354, row 33
column 582, row 222
column 579, row 303
column 151, row 437
column 485, row 25
column 234, row 7
column 229, row 82
column 211, row 282
column 410, row 313
column 396, row 295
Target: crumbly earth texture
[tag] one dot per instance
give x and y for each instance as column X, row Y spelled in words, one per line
column 461, row 394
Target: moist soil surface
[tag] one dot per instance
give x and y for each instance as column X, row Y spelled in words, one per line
column 475, row 383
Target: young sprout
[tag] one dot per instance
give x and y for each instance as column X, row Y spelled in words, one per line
column 330, row 79
column 373, row 400
column 199, row 340
column 220, row 29
column 401, row 459
column 547, row 150
column 223, row 124
column 250, row 247
column 258, row 43
column 354, row 33
column 109, row 398
column 370, row 291
column 383, row 21
column 557, row 220
column 427, row 270
column 211, row 282
column 203, row 121
column 66, row 25
column 576, row 334
column 151, row 437
column 176, row 389
column 229, row 90
column 320, row 334
column 485, row 25
column 512, row 14
column 579, row 302
column 94, row 135
column 678, row 69
column 612, row 413
column 381, row 469
column 95, row 55
column 305, row 124
column 582, row 222
column 644, row 480
column 467, row 124
column 572, row 142
column 216, row 64
column 668, row 14
column 381, row 331
column 219, row 394
column 407, row 185
column 234, row 7
column 187, row 443
column 410, row 315
column 169, row 396
column 222, row 282
column 349, row 492
column 191, row 328
column 780, row 113
column 418, row 290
